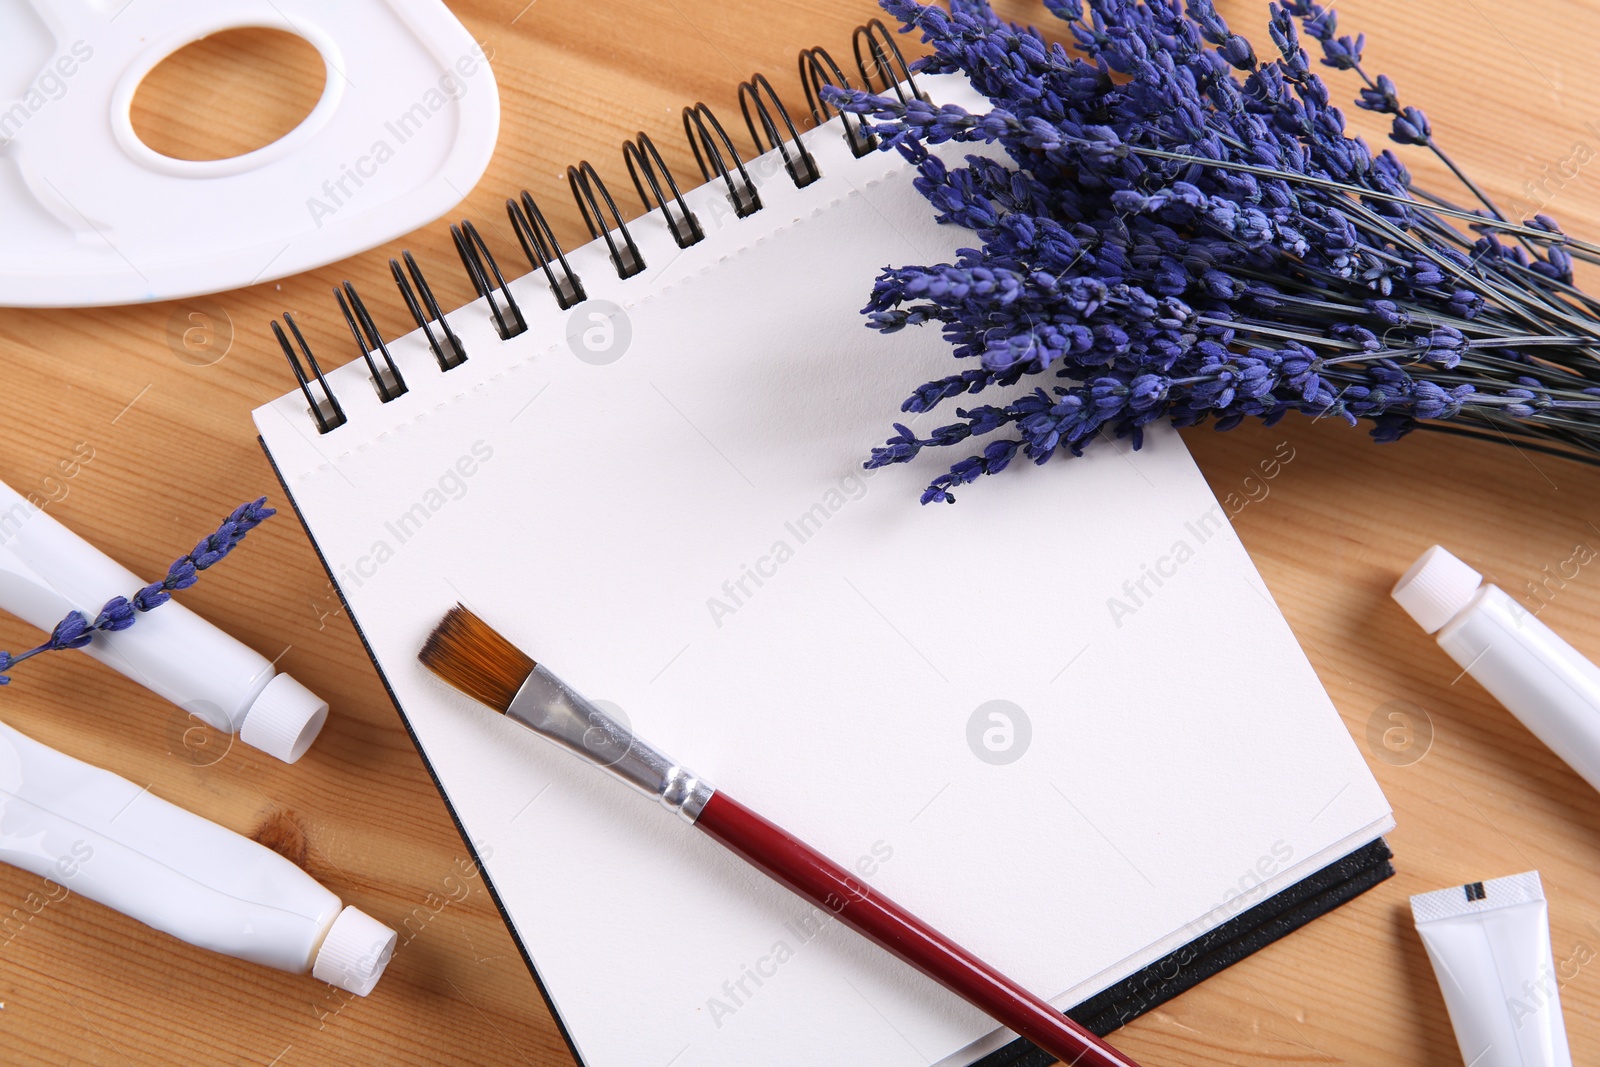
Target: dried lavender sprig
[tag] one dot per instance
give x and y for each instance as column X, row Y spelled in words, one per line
column 1156, row 232
column 119, row 613
column 884, row 107
column 1410, row 125
column 892, row 109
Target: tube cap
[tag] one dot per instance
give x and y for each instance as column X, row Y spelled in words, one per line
column 1436, row 588
column 354, row 953
column 284, row 719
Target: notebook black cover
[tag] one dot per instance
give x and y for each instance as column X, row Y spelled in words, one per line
column 1247, row 932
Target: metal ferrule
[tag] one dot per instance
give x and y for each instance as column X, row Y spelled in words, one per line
column 548, row 706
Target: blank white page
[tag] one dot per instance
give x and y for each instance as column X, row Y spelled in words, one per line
column 687, row 533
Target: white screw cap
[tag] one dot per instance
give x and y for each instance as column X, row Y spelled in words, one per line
column 354, row 953
column 1436, row 588
column 284, row 719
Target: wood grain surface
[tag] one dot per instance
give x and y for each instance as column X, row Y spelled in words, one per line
column 1510, row 88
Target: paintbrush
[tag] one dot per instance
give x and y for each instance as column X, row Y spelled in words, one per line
column 469, row 654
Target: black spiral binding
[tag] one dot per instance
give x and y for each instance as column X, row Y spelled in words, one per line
column 388, row 381
column 447, row 349
column 881, row 47
column 878, row 60
column 642, row 151
column 803, row 168
column 475, row 257
column 818, row 69
column 539, row 244
column 327, row 412
column 584, row 181
column 743, row 196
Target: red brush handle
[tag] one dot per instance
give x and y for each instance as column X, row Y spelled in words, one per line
column 817, row 878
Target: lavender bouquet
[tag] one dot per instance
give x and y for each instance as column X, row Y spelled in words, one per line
column 1186, row 232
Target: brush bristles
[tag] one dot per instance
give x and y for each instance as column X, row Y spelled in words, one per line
column 472, row 656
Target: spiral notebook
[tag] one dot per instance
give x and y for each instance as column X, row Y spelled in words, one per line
column 1062, row 719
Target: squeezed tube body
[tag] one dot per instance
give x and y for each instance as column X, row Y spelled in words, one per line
column 46, row 571
column 1489, row 943
column 1523, row 663
column 90, row 832
column 1540, row 678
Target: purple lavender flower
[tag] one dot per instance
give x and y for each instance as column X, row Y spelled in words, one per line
column 1185, row 231
column 119, row 613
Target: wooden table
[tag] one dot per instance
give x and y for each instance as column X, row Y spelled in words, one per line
column 1511, row 90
